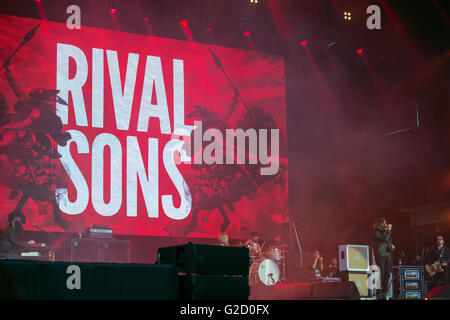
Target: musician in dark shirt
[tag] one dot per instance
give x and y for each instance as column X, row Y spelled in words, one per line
column 382, row 247
column 333, row 269
column 12, row 241
column 437, row 261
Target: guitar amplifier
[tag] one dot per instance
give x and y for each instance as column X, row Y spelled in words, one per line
column 94, row 250
column 84, row 250
column 411, row 283
column 99, row 232
column 354, row 257
column 361, row 281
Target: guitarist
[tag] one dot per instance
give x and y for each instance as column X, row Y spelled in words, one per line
column 437, row 261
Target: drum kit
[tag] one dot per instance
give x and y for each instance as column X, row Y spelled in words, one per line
column 269, row 267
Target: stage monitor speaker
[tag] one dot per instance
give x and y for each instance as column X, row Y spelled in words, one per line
column 441, row 292
column 213, row 287
column 206, row 259
column 335, row 290
column 293, row 291
column 354, row 257
column 344, row 290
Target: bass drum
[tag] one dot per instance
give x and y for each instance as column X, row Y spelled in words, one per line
column 265, row 271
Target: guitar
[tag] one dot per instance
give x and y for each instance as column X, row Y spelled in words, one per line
column 435, row 268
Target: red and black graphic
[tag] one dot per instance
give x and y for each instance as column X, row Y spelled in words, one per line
column 28, row 136
column 95, row 125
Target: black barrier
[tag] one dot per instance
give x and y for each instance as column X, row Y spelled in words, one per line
column 38, row 280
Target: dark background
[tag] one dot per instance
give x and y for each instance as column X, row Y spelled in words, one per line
column 356, row 151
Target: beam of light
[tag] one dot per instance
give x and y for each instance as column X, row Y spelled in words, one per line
column 333, row 62
column 429, row 69
column 248, row 35
column 399, row 28
column 386, row 98
column 113, row 14
column 187, row 31
column 330, row 99
column 148, row 27
column 280, row 21
column 212, row 38
column 43, row 16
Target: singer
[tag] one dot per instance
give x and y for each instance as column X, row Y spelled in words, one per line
column 382, row 247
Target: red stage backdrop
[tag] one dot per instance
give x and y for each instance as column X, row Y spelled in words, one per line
column 95, row 124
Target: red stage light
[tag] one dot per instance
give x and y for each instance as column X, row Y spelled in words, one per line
column 112, row 11
column 183, row 23
column 247, row 33
column 325, row 48
column 360, row 51
column 146, row 19
column 304, row 43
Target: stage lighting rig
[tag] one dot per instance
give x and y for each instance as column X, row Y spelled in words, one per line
column 347, row 15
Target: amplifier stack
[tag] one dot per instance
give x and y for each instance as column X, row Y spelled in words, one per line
column 410, row 283
column 354, row 265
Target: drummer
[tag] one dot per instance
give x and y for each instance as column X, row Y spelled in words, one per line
column 222, row 240
column 255, row 248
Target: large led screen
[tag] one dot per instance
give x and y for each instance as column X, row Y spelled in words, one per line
column 147, row 135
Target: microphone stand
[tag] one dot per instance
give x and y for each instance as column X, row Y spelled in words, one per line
column 391, row 262
column 299, row 246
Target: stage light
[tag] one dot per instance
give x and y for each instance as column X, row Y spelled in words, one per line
column 146, row 19
column 347, row 15
column 254, row 1
column 247, row 33
column 112, row 11
column 183, row 23
column 304, row 43
column 360, row 51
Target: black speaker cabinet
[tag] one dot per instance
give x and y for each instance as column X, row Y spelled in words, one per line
column 96, row 250
column 84, row 250
column 43, row 280
column 206, row 259
column 115, row 251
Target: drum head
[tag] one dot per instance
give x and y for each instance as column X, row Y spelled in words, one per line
column 268, row 272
